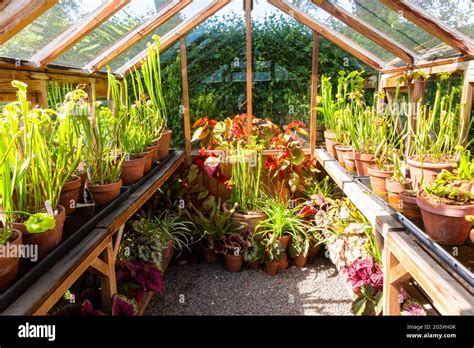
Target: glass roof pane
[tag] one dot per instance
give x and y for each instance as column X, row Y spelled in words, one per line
column 111, row 31
column 327, row 19
column 47, row 27
column 397, row 27
column 458, row 14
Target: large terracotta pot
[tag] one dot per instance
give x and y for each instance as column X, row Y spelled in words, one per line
column 251, row 219
column 272, row 267
column 209, row 254
column 48, row 240
column 104, row 194
column 133, row 170
column 148, row 155
column 9, row 266
column 349, row 161
column 425, row 171
column 394, row 188
column 445, row 224
column 300, row 260
column 233, row 263
column 362, row 162
column 155, row 149
column 378, row 181
column 340, row 151
column 409, row 207
column 164, row 145
column 329, row 139
column 70, row 195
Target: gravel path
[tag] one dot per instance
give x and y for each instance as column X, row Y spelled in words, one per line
column 209, row 289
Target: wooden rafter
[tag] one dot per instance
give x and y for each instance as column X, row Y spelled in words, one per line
column 428, row 23
column 136, row 35
column 15, row 15
column 368, row 31
column 67, row 39
column 333, row 36
column 170, row 38
column 248, row 56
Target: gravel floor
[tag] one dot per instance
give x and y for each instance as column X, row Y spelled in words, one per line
column 209, row 289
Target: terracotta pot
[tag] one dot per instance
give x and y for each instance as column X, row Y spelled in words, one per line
column 83, row 177
column 300, row 260
column 445, row 224
column 313, row 250
column 272, row 267
column 409, row 207
column 104, row 194
column 349, row 161
column 319, row 134
column 340, row 151
column 362, row 162
column 329, row 139
column 70, row 195
column 155, row 149
column 283, row 262
column 254, row 264
column 164, row 144
column 233, row 263
column 9, row 266
column 48, row 240
column 285, row 240
column 168, row 253
column 148, row 155
column 251, row 219
column 393, row 191
column 377, row 181
column 133, row 170
column 209, row 254
column 425, row 171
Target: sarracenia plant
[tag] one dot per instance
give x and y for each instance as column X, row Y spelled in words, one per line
column 326, row 104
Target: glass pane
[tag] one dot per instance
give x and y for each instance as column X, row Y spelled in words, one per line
column 47, row 27
column 397, row 27
column 458, row 14
column 116, row 27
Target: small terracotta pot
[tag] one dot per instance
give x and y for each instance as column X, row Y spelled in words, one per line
column 283, row 262
column 148, row 155
column 254, row 264
column 10, row 266
column 445, row 224
column 378, row 181
column 233, row 263
column 393, row 191
column 362, row 162
column 319, row 134
column 329, row 139
column 70, row 195
column 155, row 149
column 425, row 171
column 209, row 254
column 313, row 250
column 104, row 194
column 48, row 240
column 83, row 177
column 168, row 253
column 340, row 151
column 164, row 145
column 133, row 170
column 272, row 267
column 409, row 207
column 349, row 161
column 300, row 260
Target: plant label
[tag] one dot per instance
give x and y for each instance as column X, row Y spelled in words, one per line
column 48, row 207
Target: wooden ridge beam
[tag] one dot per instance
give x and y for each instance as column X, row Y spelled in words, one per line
column 136, row 35
column 174, row 35
column 340, row 40
column 70, row 37
column 15, row 15
column 368, row 31
column 431, row 25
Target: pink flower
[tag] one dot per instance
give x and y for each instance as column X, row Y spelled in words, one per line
column 362, row 272
column 413, row 309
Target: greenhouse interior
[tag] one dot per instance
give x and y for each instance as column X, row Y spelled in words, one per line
column 236, row 158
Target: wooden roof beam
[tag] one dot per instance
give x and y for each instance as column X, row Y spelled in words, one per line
column 428, row 23
column 136, row 35
column 15, row 15
column 330, row 34
column 368, row 31
column 70, row 37
column 174, row 35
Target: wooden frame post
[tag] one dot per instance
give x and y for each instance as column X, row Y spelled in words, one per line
column 248, row 44
column 314, row 92
column 184, row 82
column 466, row 101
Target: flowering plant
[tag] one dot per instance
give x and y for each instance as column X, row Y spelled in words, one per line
column 364, row 272
column 235, row 244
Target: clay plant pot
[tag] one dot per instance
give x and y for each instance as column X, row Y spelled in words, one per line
column 394, row 188
column 233, row 263
column 272, row 267
column 445, row 224
column 340, row 151
column 362, row 162
column 148, row 155
column 70, row 194
column 313, row 250
column 155, row 149
column 133, row 170
column 425, row 171
column 285, row 240
column 329, row 140
column 83, row 177
column 9, row 266
column 164, row 145
column 48, row 240
column 378, row 181
column 209, row 254
column 254, row 264
column 168, row 253
column 300, row 260
column 251, row 219
column 283, row 262
column 319, row 134
column 104, row 194
column 349, row 161
column 409, row 207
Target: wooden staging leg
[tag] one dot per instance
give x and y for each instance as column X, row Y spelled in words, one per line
column 108, row 284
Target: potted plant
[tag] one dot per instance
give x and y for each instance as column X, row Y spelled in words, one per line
column 254, row 254
column 133, row 142
column 233, row 247
column 397, row 183
column 327, row 107
column 448, row 200
column 273, row 255
column 298, row 249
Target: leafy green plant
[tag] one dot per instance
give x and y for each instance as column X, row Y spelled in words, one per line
column 40, row 222
column 273, row 250
column 299, row 245
column 369, row 302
